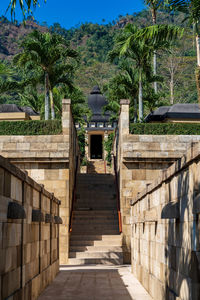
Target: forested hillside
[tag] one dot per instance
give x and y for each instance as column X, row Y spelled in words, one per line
column 94, row 41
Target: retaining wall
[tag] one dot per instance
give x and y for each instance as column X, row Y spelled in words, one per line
column 140, row 160
column 51, row 161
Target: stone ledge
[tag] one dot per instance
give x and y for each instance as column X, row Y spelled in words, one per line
column 6, row 165
column 193, row 154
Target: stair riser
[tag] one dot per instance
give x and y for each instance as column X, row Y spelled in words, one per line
column 94, row 223
column 82, row 244
column 95, row 213
column 108, row 262
column 95, row 255
column 95, row 249
column 98, row 237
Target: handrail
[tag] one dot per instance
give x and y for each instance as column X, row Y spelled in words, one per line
column 73, row 196
column 118, row 197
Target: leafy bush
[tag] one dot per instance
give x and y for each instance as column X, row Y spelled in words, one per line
column 108, row 147
column 30, row 127
column 165, row 128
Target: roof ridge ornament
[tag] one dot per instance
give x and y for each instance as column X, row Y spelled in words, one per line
column 95, row 90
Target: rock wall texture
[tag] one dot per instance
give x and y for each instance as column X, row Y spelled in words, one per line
column 165, row 231
column 29, row 235
column 51, row 161
column 140, row 160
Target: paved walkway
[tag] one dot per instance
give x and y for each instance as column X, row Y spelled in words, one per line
column 95, row 283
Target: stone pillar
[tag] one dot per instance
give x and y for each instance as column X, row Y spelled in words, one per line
column 124, row 205
column 124, row 117
column 64, row 184
column 66, row 115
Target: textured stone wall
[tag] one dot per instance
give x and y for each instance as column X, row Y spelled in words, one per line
column 51, row 161
column 141, row 159
column 29, row 235
column 165, row 231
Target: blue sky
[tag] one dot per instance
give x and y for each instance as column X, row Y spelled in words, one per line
column 71, row 13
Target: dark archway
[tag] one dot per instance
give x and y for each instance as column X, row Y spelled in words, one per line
column 96, row 147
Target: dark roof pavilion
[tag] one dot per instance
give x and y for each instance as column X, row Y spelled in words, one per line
column 179, row 111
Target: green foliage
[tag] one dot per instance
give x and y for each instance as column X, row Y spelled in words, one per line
column 82, row 144
column 50, row 127
column 108, row 146
column 165, row 128
column 25, row 6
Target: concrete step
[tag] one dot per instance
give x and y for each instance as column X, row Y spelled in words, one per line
column 95, row 248
column 94, row 222
column 96, row 243
column 92, row 227
column 94, row 231
column 97, row 261
column 96, row 237
column 101, row 212
column 87, row 254
column 95, row 218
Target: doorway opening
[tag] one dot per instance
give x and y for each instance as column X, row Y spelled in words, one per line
column 96, row 147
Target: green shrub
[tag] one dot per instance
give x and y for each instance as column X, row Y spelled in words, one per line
column 165, row 128
column 108, row 145
column 49, row 127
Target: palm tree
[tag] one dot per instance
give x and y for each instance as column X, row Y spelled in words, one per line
column 121, row 86
column 139, row 46
column 192, row 10
column 25, row 6
column 43, row 52
column 154, row 5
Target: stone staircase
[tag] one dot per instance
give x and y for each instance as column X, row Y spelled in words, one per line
column 95, row 237
column 98, row 167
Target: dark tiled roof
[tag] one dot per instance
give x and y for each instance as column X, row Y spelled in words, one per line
column 29, row 111
column 176, row 111
column 6, row 108
column 12, row 108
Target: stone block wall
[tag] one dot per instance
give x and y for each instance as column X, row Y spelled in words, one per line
column 50, row 160
column 165, row 231
column 140, row 160
column 29, row 235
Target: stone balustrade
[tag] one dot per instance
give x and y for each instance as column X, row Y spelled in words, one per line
column 29, row 234
column 165, row 231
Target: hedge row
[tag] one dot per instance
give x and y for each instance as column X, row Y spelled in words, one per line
column 30, row 127
column 165, row 128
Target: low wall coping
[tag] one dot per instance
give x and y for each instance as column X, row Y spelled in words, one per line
column 23, row 176
column 192, row 154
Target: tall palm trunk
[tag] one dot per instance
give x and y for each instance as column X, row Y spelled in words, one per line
column 140, row 96
column 52, row 105
column 198, row 65
column 153, row 12
column 135, row 110
column 46, row 96
column 171, row 84
column 198, row 49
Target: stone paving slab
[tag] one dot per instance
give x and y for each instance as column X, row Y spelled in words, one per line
column 95, row 282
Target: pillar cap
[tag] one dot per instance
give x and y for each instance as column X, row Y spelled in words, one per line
column 66, row 101
column 124, row 102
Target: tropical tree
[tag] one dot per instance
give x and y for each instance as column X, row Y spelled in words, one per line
column 121, row 86
column 192, row 10
column 25, row 6
column 139, row 46
column 154, row 5
column 7, row 81
column 42, row 54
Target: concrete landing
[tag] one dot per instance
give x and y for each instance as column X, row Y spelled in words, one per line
column 95, row 282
